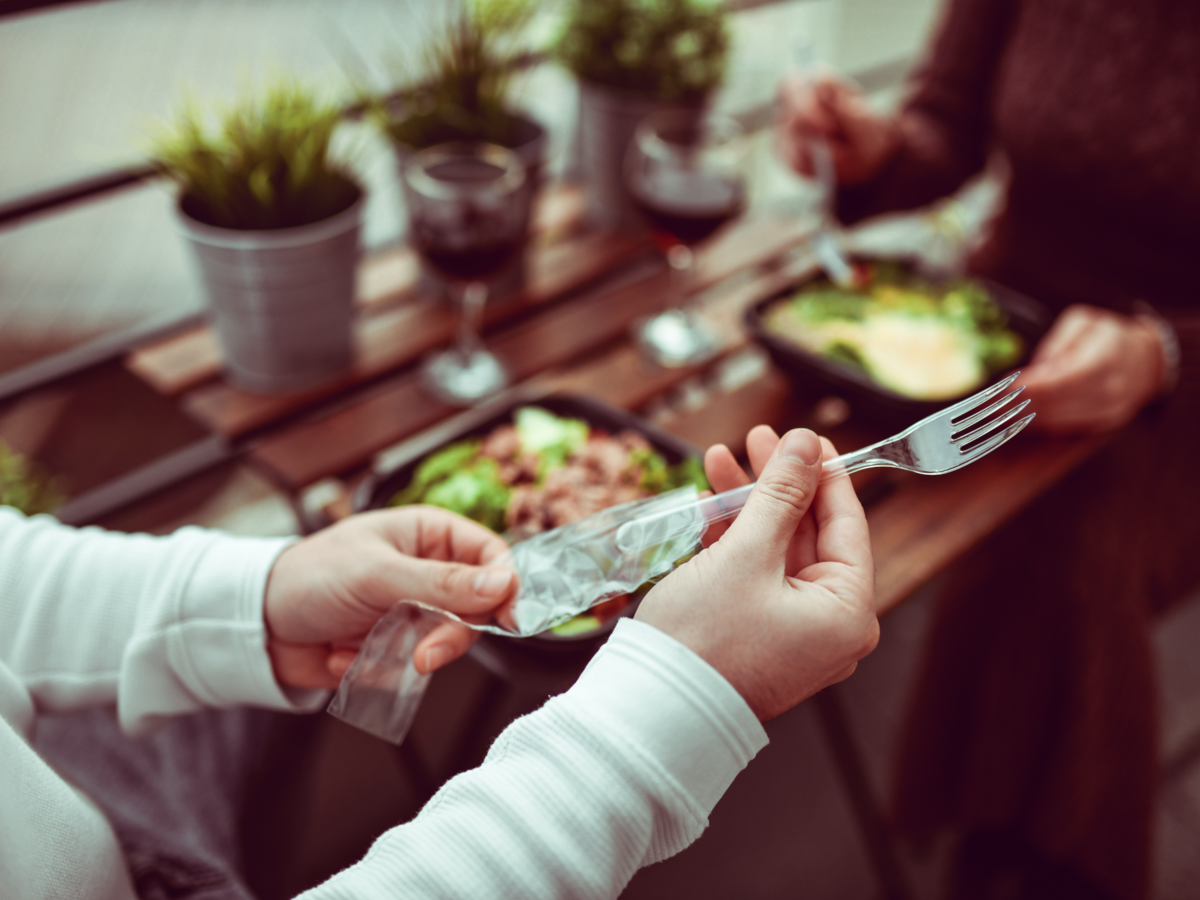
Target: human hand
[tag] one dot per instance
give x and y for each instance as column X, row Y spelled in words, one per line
column 1093, row 371
column 860, row 140
column 783, row 604
column 326, row 592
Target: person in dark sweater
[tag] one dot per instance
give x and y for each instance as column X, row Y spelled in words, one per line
column 1032, row 731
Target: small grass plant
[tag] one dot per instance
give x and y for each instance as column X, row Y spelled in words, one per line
column 671, row 49
column 264, row 162
column 461, row 87
column 24, row 487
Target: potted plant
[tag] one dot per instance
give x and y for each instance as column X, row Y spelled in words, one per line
column 23, row 487
column 274, row 221
column 461, row 90
column 632, row 58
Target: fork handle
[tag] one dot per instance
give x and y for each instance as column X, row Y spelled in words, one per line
column 728, row 504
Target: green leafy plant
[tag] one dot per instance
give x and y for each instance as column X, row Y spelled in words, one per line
column 460, row 88
column 23, row 487
column 668, row 48
column 262, row 163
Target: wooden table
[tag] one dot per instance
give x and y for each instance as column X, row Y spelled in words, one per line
column 568, row 330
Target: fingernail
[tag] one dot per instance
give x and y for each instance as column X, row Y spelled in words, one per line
column 437, row 656
column 802, row 444
column 493, row 582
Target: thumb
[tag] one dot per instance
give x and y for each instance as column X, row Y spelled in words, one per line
column 785, row 489
column 455, row 587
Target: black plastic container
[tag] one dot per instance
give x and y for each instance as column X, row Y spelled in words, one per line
column 380, row 487
column 1027, row 318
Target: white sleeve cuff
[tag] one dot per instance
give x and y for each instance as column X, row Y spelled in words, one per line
column 217, row 647
column 226, row 643
column 664, row 698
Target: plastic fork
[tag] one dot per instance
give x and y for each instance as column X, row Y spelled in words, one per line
column 943, row 442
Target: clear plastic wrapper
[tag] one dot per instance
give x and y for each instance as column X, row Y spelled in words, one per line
column 382, row 689
column 561, row 573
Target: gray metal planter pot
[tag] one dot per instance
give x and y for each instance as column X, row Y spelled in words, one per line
column 607, row 120
column 282, row 301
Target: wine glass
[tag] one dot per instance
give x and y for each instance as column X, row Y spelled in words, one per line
column 467, row 221
column 684, row 173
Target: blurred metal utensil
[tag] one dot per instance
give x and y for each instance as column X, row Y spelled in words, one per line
column 825, row 245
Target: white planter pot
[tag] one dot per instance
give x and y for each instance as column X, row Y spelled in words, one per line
column 281, row 300
column 607, row 120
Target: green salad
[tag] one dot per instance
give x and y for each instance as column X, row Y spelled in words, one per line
column 923, row 340
column 543, row 471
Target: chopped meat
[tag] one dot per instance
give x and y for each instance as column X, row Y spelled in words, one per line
column 501, row 444
column 631, row 440
column 520, row 470
column 597, row 476
column 526, row 510
column 605, row 460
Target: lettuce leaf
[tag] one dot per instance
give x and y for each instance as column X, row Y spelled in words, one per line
column 457, row 478
column 550, row 438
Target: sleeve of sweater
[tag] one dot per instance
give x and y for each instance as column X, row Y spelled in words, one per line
column 943, row 127
column 1186, row 393
column 161, row 625
column 619, row 772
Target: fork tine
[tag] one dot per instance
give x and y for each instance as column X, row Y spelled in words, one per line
column 965, row 407
column 968, row 421
column 990, row 444
column 990, row 426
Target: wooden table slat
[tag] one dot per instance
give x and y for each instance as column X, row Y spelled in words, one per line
column 728, row 417
column 927, row 523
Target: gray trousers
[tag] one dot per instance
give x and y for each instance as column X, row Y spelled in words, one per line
column 177, row 798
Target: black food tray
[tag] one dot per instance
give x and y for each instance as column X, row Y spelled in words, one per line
column 378, row 488
column 1027, row 318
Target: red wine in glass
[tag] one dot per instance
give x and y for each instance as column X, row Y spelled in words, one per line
column 467, row 241
column 687, row 206
column 467, row 212
column 459, row 259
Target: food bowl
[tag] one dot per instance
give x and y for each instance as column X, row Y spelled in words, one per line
column 811, row 370
column 397, row 472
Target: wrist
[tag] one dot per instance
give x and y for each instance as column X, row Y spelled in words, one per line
column 1166, row 344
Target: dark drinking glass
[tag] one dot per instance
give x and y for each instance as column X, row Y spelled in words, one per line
column 467, row 221
column 687, row 207
column 684, row 173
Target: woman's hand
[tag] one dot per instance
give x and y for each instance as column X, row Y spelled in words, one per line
column 783, row 604
column 860, row 140
column 1093, row 371
column 326, row 592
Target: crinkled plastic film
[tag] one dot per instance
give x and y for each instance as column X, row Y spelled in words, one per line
column 561, row 573
column 382, row 689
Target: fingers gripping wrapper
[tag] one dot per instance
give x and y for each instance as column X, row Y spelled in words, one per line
column 561, row 573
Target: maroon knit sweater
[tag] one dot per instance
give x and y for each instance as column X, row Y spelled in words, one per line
column 1035, row 710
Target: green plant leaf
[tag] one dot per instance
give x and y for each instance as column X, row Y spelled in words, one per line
column 262, row 163
column 669, row 48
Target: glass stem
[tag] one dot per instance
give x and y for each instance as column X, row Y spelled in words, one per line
column 682, row 262
column 471, row 300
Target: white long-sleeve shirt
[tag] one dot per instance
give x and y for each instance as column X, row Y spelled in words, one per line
column 620, row 771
